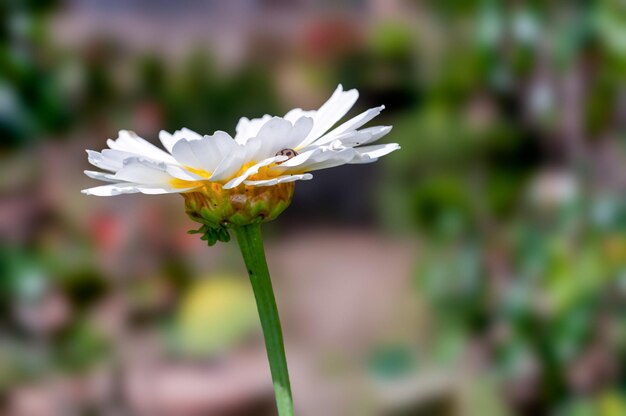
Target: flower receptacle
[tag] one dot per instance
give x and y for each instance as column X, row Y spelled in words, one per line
column 218, row 209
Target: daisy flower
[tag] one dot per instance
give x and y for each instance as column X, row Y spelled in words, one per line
column 265, row 151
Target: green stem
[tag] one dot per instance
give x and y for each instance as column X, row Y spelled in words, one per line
column 251, row 245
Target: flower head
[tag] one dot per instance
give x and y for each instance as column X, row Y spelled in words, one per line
column 253, row 172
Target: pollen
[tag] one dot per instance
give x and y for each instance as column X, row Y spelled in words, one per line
column 264, row 173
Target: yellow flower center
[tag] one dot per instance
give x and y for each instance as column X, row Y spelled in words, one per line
column 263, row 174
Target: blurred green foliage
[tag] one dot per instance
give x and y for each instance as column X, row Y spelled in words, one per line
column 522, row 256
column 42, row 308
column 31, row 99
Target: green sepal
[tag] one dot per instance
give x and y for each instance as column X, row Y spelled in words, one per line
column 212, row 234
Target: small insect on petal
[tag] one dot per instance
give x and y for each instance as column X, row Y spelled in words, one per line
column 286, row 152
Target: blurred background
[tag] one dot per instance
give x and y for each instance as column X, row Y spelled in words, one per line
column 481, row 270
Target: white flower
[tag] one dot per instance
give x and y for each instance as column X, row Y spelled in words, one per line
column 265, row 151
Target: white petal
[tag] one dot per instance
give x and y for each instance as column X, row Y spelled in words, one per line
column 210, row 150
column 368, row 154
column 330, row 112
column 334, row 159
column 143, row 171
column 348, row 139
column 247, row 129
column 280, row 179
column 128, row 141
column 297, row 113
column 168, row 140
column 101, row 176
column 111, row 190
column 131, row 188
column 233, row 183
column 183, row 174
column 157, row 190
column 319, row 158
column 222, row 141
column 276, row 129
column 377, row 132
column 301, row 128
column 205, row 153
column 352, row 124
column 112, row 160
column 96, row 159
column 278, row 134
column 188, row 134
column 231, row 164
column 184, row 154
column 361, row 137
